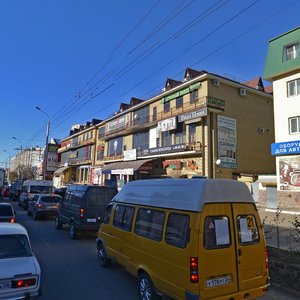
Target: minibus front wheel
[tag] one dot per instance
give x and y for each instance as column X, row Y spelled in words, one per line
column 146, row 289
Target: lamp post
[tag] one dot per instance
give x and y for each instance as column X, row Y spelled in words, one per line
column 46, row 147
column 20, row 156
column 7, row 167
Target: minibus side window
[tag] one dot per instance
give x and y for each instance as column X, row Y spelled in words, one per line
column 247, row 229
column 123, row 217
column 107, row 214
column 177, row 230
column 149, row 223
column 216, row 232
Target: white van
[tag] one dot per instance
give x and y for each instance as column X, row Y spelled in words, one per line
column 33, row 187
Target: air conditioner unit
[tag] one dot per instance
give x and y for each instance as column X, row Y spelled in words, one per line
column 243, row 92
column 216, row 82
column 261, row 130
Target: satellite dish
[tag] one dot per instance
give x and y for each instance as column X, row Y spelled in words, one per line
column 218, row 161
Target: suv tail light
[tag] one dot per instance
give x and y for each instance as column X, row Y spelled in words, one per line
column 81, row 213
column 194, row 275
column 40, row 205
column 12, row 220
column 23, row 283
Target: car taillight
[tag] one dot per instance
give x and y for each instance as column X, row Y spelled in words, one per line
column 40, row 205
column 23, row 283
column 12, row 220
column 266, row 258
column 194, row 276
column 81, row 213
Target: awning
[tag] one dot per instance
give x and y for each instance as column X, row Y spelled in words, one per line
column 123, row 165
column 61, row 170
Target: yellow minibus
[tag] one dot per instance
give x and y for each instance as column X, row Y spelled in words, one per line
column 187, row 239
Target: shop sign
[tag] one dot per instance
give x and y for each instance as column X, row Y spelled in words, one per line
column 181, row 92
column 193, row 115
column 168, row 124
column 73, row 154
column 130, row 154
column 122, row 171
column 215, row 103
column 173, row 164
column 167, row 149
column 116, row 123
column 285, row 148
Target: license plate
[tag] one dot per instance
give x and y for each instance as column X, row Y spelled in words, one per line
column 91, row 220
column 218, row 281
column 5, row 285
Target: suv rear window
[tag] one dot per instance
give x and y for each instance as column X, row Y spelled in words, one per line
column 6, row 210
column 49, row 199
column 40, row 189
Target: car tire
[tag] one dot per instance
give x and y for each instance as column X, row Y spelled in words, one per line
column 58, row 224
column 146, row 288
column 72, row 231
column 35, row 215
column 103, row 260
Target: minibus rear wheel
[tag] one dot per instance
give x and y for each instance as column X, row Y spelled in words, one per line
column 146, row 289
column 102, row 256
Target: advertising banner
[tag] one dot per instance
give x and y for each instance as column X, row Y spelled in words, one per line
column 289, row 173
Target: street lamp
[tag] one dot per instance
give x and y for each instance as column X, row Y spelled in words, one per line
column 46, row 148
column 15, row 138
column 8, row 168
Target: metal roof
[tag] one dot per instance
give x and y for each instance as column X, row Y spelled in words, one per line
column 183, row 194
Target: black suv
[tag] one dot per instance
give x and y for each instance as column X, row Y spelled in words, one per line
column 83, row 207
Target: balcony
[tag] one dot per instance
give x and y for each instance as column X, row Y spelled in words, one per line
column 148, row 121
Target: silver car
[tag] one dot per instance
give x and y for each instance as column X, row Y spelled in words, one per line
column 43, row 204
column 20, row 272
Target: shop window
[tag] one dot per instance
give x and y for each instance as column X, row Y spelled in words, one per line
column 101, row 132
column 179, row 102
column 180, row 133
column 166, row 107
column 177, row 231
column 192, row 133
column 194, row 96
column 166, row 138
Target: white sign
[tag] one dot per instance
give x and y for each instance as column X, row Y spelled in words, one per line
column 130, row 154
column 168, row 124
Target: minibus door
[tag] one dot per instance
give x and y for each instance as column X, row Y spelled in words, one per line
column 251, row 260
column 217, row 252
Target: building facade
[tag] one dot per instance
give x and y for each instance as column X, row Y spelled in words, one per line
column 283, row 69
column 205, row 125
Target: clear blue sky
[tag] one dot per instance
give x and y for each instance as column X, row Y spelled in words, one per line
column 52, row 51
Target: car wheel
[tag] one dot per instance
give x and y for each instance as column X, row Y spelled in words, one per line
column 58, row 224
column 34, row 215
column 73, row 232
column 146, row 290
column 103, row 260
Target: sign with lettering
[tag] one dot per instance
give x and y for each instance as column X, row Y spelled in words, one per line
column 215, row 103
column 168, row 124
column 285, row 148
column 193, row 115
column 181, row 92
column 167, row 149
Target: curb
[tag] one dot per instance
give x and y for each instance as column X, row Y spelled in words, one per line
column 285, row 289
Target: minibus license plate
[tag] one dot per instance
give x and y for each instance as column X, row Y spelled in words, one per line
column 5, row 285
column 218, row 281
column 91, row 220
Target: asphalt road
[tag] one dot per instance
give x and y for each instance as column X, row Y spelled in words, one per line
column 70, row 269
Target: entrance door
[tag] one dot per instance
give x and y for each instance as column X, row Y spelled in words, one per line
column 271, row 197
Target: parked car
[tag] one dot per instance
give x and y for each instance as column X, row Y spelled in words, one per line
column 43, row 205
column 7, row 213
column 83, row 208
column 31, row 187
column 20, row 272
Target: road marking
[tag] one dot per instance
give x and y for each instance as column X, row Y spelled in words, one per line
column 45, row 242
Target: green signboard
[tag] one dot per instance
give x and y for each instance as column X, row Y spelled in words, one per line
column 181, row 92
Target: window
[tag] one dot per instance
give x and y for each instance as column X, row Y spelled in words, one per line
column 293, row 87
column 180, row 134
column 291, row 51
column 247, row 230
column 141, row 116
column 149, row 223
column 107, row 214
column 154, row 116
column 177, row 232
column 141, row 140
column 123, row 217
column 179, row 102
column 194, row 96
column 101, row 132
column 115, row 146
column 192, row 133
column 216, row 232
column 294, row 125
column 166, row 138
column 166, row 107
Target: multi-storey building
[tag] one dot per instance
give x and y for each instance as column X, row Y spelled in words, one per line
column 283, row 69
column 205, row 125
column 77, row 153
